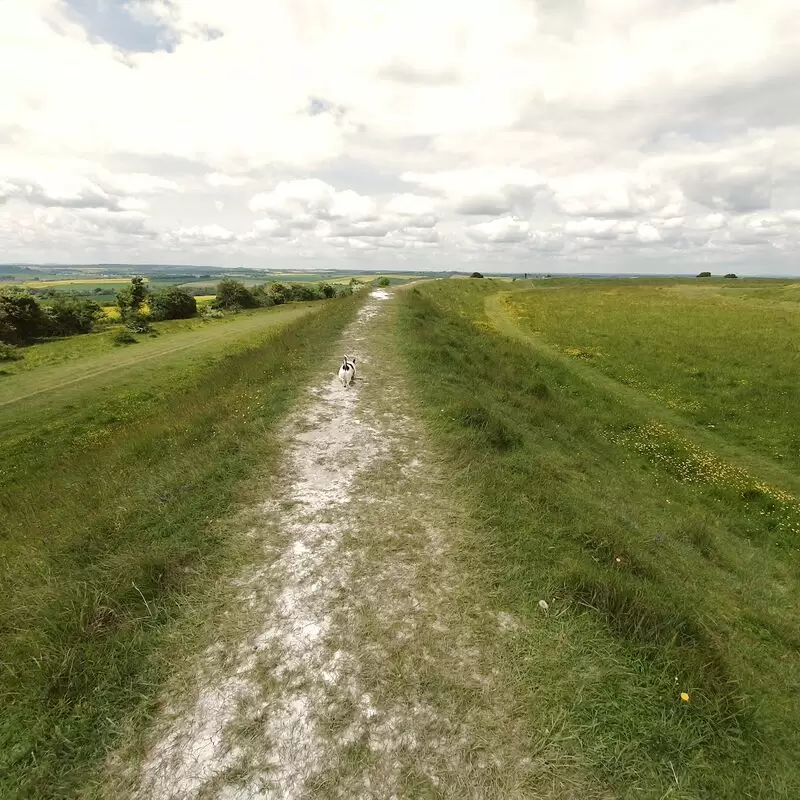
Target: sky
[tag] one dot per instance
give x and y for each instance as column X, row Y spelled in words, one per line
column 640, row 136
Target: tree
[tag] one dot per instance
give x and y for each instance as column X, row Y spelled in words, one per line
column 476, row 275
column 233, row 295
column 69, row 315
column 21, row 317
column 731, row 275
column 279, row 293
column 704, row 275
column 384, row 281
column 172, row 303
column 131, row 299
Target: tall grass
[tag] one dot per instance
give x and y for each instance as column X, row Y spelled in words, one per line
column 107, row 537
column 656, row 585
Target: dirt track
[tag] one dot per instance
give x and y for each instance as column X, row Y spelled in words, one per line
column 367, row 671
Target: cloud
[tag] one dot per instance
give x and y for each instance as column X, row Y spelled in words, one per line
column 217, row 179
column 201, row 235
column 485, row 191
column 499, row 231
column 616, row 194
column 603, row 132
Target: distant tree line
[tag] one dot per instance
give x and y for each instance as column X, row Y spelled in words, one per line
column 233, row 295
column 25, row 317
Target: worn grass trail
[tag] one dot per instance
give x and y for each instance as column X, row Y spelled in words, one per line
column 78, row 377
column 353, row 660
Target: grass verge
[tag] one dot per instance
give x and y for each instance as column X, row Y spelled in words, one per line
column 656, row 585
column 107, row 538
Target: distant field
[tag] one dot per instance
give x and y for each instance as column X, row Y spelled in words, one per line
column 82, row 283
column 115, row 463
column 578, row 417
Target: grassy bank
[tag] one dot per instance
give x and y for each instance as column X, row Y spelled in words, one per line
column 668, row 569
column 107, row 502
column 725, row 356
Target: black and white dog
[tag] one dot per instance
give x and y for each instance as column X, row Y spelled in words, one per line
column 347, row 372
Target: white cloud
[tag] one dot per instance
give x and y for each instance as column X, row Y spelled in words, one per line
column 217, row 179
column 499, row 231
column 593, row 130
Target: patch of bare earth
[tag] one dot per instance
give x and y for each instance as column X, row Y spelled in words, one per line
column 367, row 669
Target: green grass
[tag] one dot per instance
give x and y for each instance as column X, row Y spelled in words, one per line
column 726, row 357
column 668, row 566
column 78, row 348
column 109, row 490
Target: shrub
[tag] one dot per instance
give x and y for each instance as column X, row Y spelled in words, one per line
column 21, row 317
column 476, row 275
column 124, row 337
column 731, row 275
column 327, row 290
column 304, row 291
column 704, row 275
column 383, row 281
column 137, row 323
column 9, row 352
column 172, row 303
column 279, row 293
column 207, row 312
column 70, row 315
column 233, row 295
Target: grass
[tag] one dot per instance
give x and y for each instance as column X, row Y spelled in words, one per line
column 109, row 493
column 726, row 358
column 73, row 351
column 668, row 566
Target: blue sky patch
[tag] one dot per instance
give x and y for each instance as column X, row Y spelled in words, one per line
column 110, row 21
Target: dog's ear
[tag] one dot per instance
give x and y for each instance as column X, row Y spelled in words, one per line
column 353, row 359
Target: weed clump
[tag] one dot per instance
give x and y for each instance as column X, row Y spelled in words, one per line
column 9, row 352
column 124, row 337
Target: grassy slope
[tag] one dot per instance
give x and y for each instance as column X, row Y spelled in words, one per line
column 658, row 581
column 107, row 505
column 725, row 356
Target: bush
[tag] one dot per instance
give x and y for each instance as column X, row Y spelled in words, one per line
column 327, row 290
column 233, row 295
column 66, row 316
column 704, row 275
column 172, row 303
column 384, row 281
column 9, row 352
column 304, row 291
column 279, row 293
column 207, row 312
column 476, row 275
column 124, row 337
column 136, row 322
column 21, row 317
column 731, row 275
